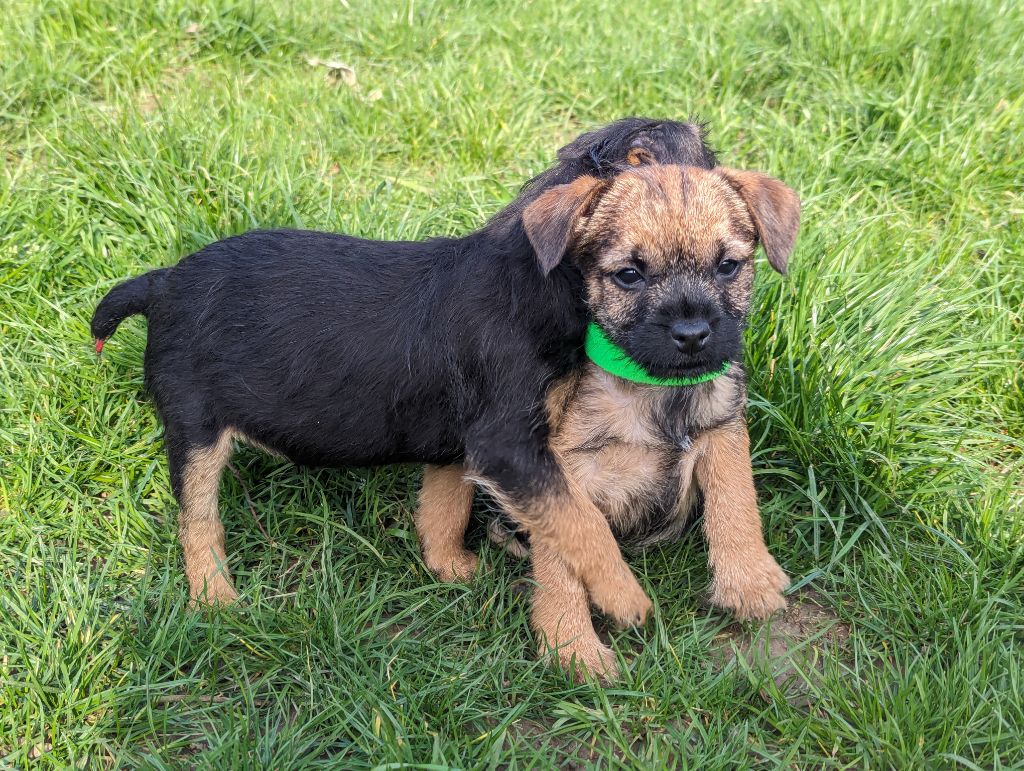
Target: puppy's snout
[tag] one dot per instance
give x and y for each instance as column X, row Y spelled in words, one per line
column 690, row 335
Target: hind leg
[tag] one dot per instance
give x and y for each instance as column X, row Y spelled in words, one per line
column 195, row 474
column 446, row 499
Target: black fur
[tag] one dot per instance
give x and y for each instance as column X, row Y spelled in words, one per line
column 648, row 339
column 334, row 350
column 604, row 152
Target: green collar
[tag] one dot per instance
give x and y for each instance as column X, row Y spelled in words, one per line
column 611, row 358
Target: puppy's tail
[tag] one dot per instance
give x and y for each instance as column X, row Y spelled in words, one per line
column 127, row 299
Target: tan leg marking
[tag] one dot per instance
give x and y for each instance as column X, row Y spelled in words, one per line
column 446, row 499
column 572, row 526
column 746, row 579
column 561, row 619
column 200, row 529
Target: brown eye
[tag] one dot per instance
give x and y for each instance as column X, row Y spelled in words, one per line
column 728, row 268
column 629, row 278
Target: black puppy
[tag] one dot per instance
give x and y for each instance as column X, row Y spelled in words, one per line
column 332, row 350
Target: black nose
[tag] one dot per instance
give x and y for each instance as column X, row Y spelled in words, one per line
column 690, row 335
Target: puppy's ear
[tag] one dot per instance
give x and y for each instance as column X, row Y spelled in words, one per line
column 640, row 156
column 551, row 219
column 774, row 208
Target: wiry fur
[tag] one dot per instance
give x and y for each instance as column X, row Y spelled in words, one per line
column 646, row 455
column 333, row 350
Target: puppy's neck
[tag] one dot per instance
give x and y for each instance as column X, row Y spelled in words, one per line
column 676, row 413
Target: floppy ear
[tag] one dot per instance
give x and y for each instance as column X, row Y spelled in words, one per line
column 551, row 219
column 774, row 208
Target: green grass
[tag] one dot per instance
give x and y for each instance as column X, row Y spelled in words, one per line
column 887, row 388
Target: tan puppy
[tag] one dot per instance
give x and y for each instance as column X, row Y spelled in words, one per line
column 654, row 423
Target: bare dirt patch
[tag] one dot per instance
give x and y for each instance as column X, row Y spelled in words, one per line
column 792, row 647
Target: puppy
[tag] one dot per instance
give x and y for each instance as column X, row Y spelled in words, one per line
column 332, row 350
column 653, row 423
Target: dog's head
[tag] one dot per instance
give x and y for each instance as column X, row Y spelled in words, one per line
column 604, row 152
column 636, row 142
column 667, row 256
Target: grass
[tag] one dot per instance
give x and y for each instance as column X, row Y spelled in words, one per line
column 887, row 388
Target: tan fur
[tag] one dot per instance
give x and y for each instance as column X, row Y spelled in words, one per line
column 200, row 530
column 774, row 208
column 561, row 618
column 682, row 214
column 683, row 219
column 639, row 156
column 607, row 433
column 549, row 220
column 630, row 461
column 746, row 578
column 569, row 522
column 446, row 499
column 717, row 402
column 240, row 437
column 634, row 461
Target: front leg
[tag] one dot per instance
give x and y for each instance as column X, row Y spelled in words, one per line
column 571, row 525
column 529, row 483
column 746, row 579
column 560, row 618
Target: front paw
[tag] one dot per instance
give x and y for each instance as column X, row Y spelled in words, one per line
column 750, row 587
column 456, row 566
column 619, row 596
column 583, row 657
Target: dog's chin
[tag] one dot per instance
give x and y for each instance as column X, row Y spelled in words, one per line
column 682, row 366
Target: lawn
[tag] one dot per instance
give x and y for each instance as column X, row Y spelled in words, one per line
column 886, row 392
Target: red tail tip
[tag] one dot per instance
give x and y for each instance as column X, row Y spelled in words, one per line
column 99, row 344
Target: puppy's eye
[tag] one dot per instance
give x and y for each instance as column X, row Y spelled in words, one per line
column 629, row 278
column 728, row 268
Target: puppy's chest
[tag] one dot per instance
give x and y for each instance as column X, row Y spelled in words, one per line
column 632, row 450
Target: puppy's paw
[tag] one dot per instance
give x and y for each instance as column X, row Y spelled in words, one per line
column 452, row 567
column 217, row 590
column 750, row 588
column 619, row 596
column 584, row 657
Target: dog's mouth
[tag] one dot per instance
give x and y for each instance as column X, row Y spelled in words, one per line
column 661, row 362
column 652, row 347
column 684, row 366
